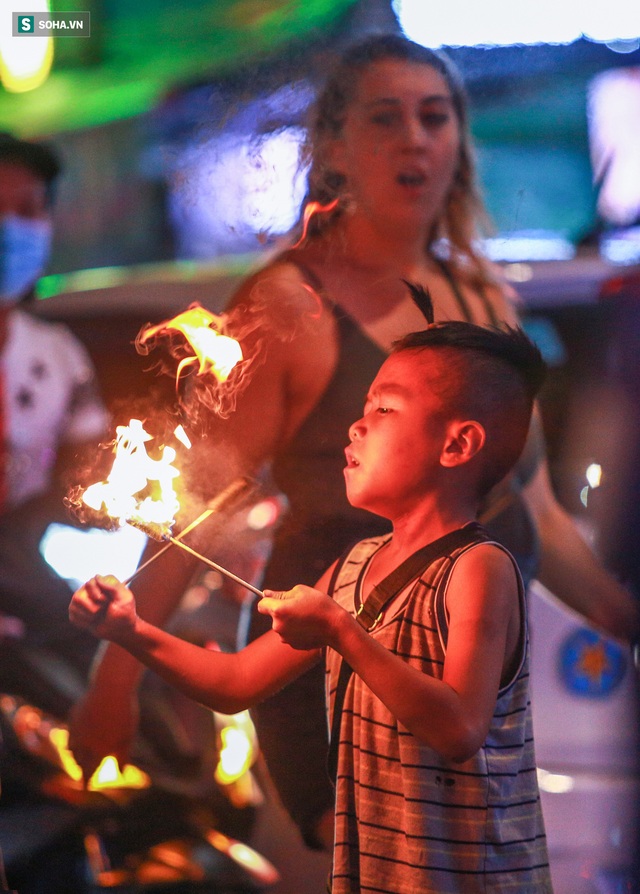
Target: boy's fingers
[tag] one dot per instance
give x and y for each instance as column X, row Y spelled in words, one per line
column 266, row 605
column 107, row 582
column 280, row 595
column 92, row 597
column 271, row 605
column 88, row 603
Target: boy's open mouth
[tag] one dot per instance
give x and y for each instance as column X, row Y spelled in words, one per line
column 351, row 460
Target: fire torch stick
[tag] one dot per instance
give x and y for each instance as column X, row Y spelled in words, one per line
column 154, row 531
column 222, row 501
column 214, row 565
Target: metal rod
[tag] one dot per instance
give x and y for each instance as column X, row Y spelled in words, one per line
column 214, row 565
column 234, row 490
column 167, row 546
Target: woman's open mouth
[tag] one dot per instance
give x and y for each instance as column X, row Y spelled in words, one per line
column 411, row 178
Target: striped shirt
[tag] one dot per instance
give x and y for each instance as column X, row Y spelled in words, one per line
column 408, row 821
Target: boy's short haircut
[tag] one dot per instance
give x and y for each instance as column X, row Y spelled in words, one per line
column 492, row 376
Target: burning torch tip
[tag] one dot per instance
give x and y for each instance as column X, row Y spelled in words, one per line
column 151, row 529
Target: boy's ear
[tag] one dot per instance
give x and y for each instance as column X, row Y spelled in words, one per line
column 463, row 441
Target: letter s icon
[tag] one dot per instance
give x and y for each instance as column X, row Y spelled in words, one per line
column 25, row 24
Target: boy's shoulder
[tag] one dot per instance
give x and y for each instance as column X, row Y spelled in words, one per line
column 484, row 555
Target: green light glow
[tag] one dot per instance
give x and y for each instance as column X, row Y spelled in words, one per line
column 92, row 279
column 142, row 50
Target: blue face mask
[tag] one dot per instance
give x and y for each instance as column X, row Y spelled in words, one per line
column 25, row 246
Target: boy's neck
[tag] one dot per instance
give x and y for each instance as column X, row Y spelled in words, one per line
column 409, row 535
column 426, row 524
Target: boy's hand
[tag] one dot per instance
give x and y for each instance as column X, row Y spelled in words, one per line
column 105, row 607
column 304, row 618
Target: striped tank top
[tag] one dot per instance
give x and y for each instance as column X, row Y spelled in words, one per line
column 408, row 821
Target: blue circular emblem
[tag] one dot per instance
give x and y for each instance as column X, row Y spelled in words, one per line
column 591, row 665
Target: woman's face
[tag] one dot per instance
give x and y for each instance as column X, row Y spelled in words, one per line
column 400, row 144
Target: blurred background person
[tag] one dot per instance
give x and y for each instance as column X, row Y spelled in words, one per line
column 50, row 414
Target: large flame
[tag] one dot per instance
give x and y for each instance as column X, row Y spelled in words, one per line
column 213, row 351
column 139, row 488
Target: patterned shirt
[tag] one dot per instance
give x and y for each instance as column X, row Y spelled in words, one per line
column 49, row 397
column 407, row 820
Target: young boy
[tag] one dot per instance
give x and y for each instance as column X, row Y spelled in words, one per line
column 436, row 785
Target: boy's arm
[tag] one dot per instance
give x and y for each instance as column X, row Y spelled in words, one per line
column 104, row 721
column 451, row 715
column 225, row 682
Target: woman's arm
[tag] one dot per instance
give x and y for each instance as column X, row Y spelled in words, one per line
column 571, row 571
column 568, row 567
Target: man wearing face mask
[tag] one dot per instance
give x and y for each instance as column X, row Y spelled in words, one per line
column 49, row 411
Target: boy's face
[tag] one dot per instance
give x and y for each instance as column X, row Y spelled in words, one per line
column 396, row 446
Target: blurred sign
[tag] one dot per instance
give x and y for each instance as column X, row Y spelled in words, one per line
column 591, row 665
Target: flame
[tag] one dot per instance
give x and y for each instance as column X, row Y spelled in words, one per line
column 41, row 735
column 213, row 351
column 182, row 436
column 310, row 209
column 107, row 776
column 237, row 752
column 138, row 487
column 59, row 738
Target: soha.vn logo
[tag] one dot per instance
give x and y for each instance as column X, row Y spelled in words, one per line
column 69, row 24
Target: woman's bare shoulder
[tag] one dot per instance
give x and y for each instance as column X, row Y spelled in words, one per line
column 289, row 273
